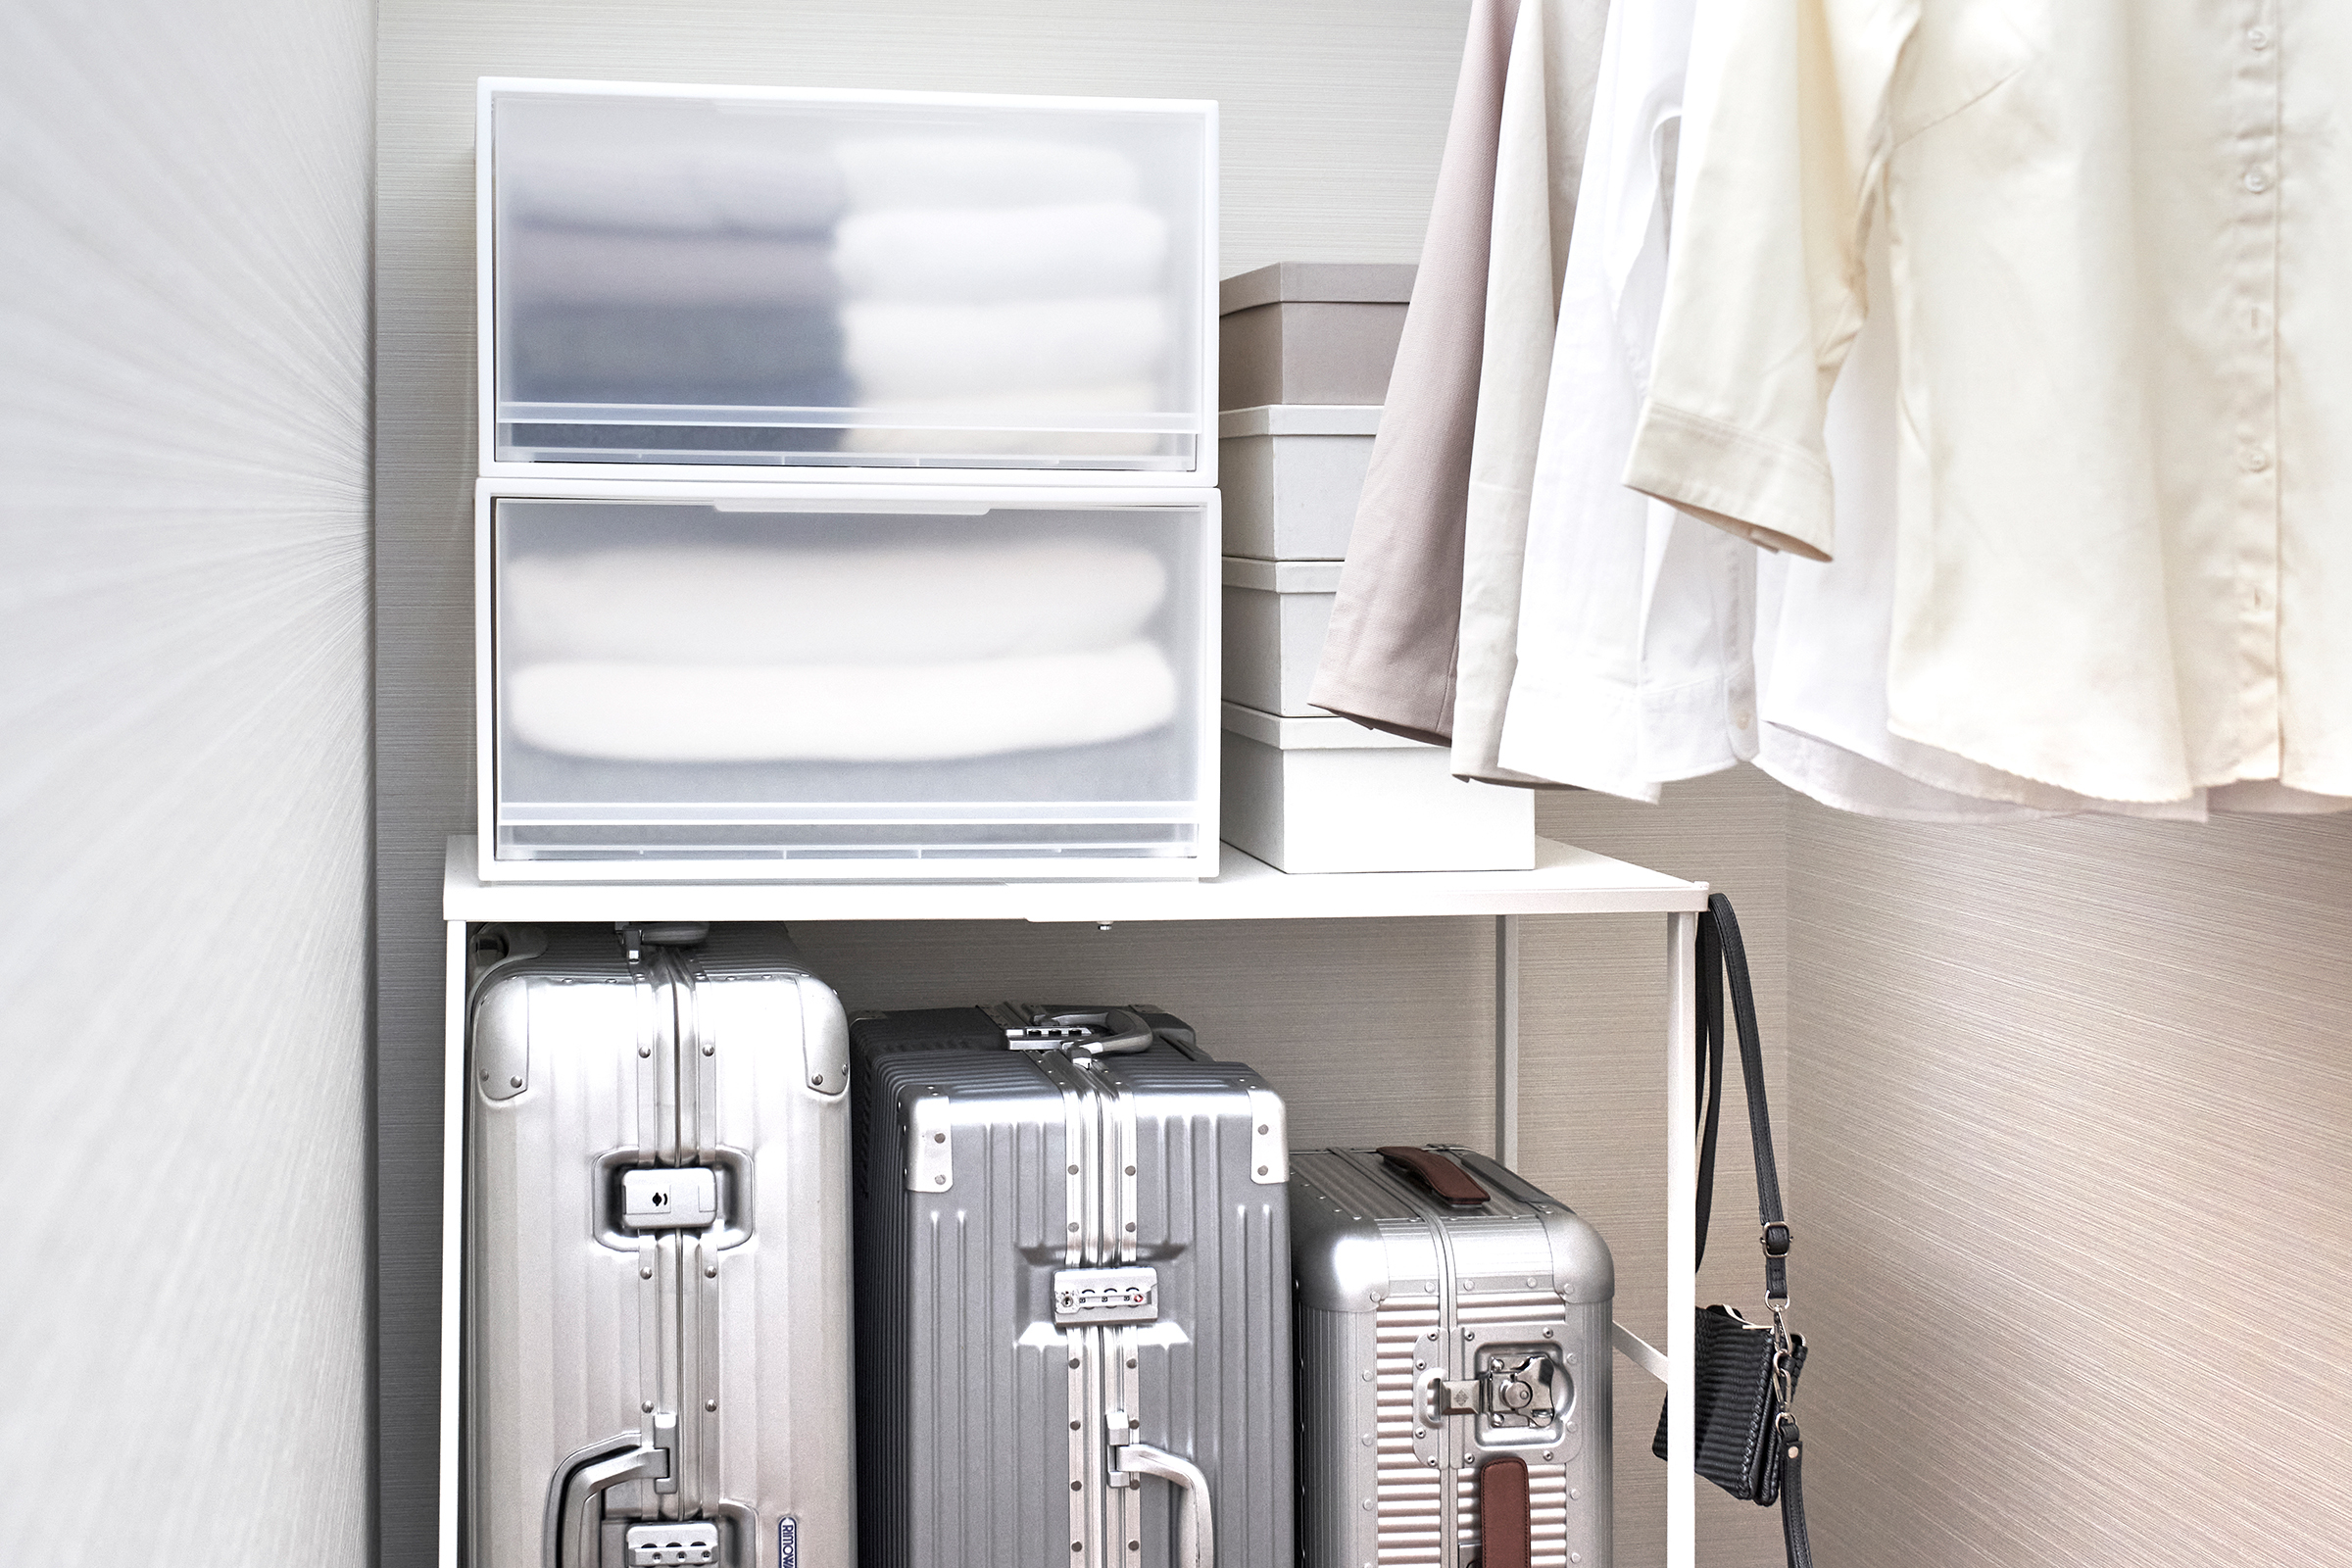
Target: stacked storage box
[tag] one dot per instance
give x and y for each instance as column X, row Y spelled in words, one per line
column 1306, row 353
column 848, row 505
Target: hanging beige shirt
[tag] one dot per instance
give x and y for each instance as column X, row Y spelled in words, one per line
column 1539, row 163
column 1388, row 659
column 2118, row 233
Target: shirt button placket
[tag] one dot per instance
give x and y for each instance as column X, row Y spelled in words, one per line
column 2256, row 284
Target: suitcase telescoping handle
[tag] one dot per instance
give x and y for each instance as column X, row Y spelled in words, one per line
column 1454, row 1186
column 1196, row 1530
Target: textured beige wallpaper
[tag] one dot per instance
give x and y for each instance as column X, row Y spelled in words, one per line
column 2073, row 1228
column 184, row 216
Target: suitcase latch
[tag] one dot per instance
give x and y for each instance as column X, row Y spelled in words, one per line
column 1514, row 1391
column 666, row 1198
column 1526, row 1392
column 1105, row 1295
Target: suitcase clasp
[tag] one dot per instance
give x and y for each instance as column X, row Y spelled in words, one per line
column 1105, row 1295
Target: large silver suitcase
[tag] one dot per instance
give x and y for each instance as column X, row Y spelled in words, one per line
column 1454, row 1365
column 1073, row 1295
column 657, row 1252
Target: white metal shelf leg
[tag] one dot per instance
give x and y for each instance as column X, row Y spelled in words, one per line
column 1506, row 1040
column 1681, row 1233
column 452, row 1230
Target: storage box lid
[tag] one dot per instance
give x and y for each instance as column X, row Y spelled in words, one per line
column 1324, row 282
column 1283, row 576
column 1300, row 419
column 1328, row 734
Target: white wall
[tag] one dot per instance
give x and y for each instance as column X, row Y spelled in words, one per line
column 184, row 228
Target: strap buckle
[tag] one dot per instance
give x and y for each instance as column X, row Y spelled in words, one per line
column 1774, row 1239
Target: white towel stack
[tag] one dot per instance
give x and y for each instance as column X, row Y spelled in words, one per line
column 1000, row 290
column 744, row 654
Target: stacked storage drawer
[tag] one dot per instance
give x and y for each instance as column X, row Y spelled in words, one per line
column 847, row 504
column 1305, row 791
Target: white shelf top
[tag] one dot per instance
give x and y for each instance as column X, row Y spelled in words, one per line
column 1566, row 880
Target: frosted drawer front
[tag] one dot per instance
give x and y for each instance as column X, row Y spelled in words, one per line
column 831, row 281
column 676, row 681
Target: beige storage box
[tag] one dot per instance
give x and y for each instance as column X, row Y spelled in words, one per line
column 1276, row 613
column 1293, row 473
column 1328, row 795
column 1310, row 332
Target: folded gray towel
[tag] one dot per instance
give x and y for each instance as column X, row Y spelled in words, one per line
column 573, row 266
column 770, row 356
column 665, row 183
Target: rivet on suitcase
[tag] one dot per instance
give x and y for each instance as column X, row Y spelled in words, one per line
column 1073, row 1295
column 657, row 1252
column 1454, row 1365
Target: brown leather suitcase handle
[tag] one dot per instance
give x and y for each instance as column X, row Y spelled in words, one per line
column 1453, row 1185
column 1505, row 1533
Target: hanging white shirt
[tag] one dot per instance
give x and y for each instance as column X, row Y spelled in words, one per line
column 2117, row 234
column 1581, row 709
column 1546, row 112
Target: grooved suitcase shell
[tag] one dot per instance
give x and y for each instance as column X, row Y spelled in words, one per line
column 963, row 1454
column 557, row 1331
column 1378, row 1268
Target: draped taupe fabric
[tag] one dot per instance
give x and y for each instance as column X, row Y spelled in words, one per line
column 1388, row 658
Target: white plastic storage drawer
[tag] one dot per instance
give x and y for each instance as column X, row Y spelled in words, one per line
column 810, row 281
column 1277, row 613
column 1292, row 475
column 777, row 684
column 1328, row 795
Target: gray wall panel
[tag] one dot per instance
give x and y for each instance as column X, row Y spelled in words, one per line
column 185, row 235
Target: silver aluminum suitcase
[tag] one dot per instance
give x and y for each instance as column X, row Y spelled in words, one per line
column 657, row 1252
column 1073, row 1295
column 1454, row 1365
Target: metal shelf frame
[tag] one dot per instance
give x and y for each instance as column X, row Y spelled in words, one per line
column 1565, row 881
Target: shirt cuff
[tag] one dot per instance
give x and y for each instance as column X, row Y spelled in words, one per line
column 1772, row 492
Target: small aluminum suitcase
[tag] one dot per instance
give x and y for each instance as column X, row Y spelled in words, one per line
column 657, row 1252
column 1454, row 1364
column 1073, row 1295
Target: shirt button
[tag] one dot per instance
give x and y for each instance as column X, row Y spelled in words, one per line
column 2257, row 182
column 2254, row 460
column 1742, row 717
column 2257, row 38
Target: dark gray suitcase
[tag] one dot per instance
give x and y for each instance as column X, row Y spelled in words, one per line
column 1454, row 1365
column 657, row 1252
column 1073, row 1295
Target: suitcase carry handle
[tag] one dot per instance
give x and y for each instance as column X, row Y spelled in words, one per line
column 1455, row 1187
column 1091, row 1031
column 575, row 1507
column 1195, row 1530
column 1505, row 1521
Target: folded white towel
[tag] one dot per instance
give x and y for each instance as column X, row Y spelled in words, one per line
column 668, row 185
column 981, row 172
column 1018, row 422
column 902, row 352
column 840, row 713
column 573, row 266
column 708, row 604
column 1012, row 253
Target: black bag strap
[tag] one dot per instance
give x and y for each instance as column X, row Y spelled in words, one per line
column 1722, row 954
